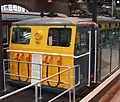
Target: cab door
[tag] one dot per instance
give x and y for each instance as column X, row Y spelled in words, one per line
column 85, row 53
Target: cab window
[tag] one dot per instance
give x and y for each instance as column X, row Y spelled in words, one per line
column 5, row 34
column 59, row 37
column 21, row 35
column 82, row 40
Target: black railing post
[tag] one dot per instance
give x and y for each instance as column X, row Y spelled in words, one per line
column 1, row 55
column 94, row 10
column 94, row 19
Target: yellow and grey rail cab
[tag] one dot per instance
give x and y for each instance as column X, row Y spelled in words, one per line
column 52, row 41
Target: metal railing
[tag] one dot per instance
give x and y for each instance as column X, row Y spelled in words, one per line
column 65, row 55
column 40, row 80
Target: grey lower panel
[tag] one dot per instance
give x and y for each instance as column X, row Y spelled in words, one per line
column 84, row 65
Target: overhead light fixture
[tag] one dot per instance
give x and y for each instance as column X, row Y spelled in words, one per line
column 50, row 1
column 118, row 1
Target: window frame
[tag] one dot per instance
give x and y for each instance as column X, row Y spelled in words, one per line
column 59, row 45
column 77, row 27
column 20, row 28
column 7, row 35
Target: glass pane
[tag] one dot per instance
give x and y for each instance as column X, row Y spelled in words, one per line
column 21, row 35
column 115, row 49
column 82, row 40
column 59, row 37
column 5, row 34
column 105, row 51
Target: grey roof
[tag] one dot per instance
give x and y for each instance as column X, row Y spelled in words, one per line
column 8, row 17
column 17, row 16
column 62, row 20
column 103, row 19
column 51, row 21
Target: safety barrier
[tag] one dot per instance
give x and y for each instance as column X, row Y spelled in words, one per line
column 66, row 55
column 39, row 81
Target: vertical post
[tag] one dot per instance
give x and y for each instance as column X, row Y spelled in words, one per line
column 36, row 92
column 93, row 45
column 50, row 4
column 1, row 55
column 95, row 62
column 40, row 97
column 94, row 10
column 69, row 84
column 70, row 7
column 113, row 8
column 74, row 83
column 89, row 69
column 5, row 87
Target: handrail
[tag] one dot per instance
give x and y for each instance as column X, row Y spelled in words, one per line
column 40, row 65
column 56, row 54
column 31, row 52
column 68, row 68
column 42, row 80
column 2, row 97
column 16, row 91
column 52, row 65
column 95, row 65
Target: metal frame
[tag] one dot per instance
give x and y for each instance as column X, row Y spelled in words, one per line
column 67, row 69
column 67, row 55
column 102, row 78
column 89, row 57
column 42, row 53
column 95, row 65
column 6, row 35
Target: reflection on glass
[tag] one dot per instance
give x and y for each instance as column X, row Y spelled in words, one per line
column 110, row 51
column 5, row 34
column 21, row 35
column 115, row 50
column 82, row 40
column 105, row 63
column 59, row 37
column 115, row 57
column 105, row 58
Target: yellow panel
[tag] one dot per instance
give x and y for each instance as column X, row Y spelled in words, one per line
column 13, row 67
column 38, row 43
column 104, row 26
column 20, row 68
column 66, row 61
column 113, row 25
